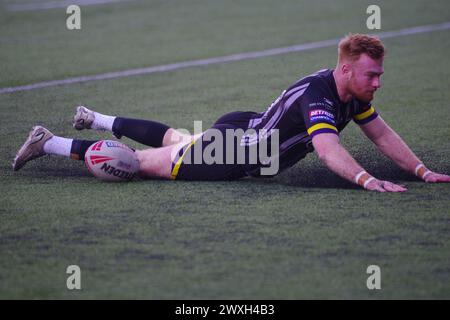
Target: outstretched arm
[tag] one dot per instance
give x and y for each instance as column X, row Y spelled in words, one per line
column 338, row 160
column 390, row 144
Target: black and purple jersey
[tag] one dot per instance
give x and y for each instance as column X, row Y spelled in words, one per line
column 312, row 106
column 309, row 107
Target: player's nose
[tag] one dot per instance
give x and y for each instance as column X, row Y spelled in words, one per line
column 376, row 83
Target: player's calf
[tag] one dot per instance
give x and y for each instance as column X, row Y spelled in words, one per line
column 153, row 163
column 147, row 132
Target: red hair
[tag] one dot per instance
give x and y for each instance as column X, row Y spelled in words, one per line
column 353, row 45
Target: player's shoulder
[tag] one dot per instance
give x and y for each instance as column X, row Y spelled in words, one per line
column 317, row 90
column 321, row 77
column 318, row 83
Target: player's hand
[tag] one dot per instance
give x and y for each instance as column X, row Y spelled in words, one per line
column 385, row 186
column 435, row 177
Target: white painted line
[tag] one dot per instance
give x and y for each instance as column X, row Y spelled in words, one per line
column 35, row 6
column 216, row 60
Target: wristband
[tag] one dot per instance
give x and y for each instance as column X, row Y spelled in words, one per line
column 363, row 178
column 421, row 171
column 359, row 176
column 367, row 182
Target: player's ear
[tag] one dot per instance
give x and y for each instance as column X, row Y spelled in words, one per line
column 346, row 69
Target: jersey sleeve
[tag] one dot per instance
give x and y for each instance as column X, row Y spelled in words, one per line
column 364, row 113
column 319, row 116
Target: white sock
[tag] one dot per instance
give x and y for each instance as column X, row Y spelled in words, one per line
column 59, row 146
column 103, row 122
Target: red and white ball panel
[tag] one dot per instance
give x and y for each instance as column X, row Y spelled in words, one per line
column 111, row 161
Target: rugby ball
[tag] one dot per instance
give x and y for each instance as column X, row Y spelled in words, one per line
column 111, row 161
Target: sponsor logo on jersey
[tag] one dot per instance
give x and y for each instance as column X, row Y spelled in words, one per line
column 321, row 119
column 322, row 105
column 321, row 116
column 314, row 113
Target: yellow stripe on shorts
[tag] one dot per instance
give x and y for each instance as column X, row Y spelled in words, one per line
column 175, row 169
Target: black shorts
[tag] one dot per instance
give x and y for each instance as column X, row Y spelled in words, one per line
column 186, row 166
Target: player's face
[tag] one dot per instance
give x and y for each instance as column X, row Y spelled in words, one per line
column 365, row 77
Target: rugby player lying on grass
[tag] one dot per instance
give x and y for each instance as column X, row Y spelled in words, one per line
column 307, row 116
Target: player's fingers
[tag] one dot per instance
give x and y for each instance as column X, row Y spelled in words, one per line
column 391, row 187
column 400, row 187
column 379, row 189
column 436, row 177
column 396, row 189
column 432, row 178
column 442, row 178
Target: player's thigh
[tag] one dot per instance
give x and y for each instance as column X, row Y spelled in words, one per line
column 157, row 162
column 200, row 160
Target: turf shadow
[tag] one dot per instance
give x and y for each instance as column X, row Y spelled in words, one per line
column 318, row 176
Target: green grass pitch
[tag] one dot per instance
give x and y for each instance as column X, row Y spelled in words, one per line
column 303, row 234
